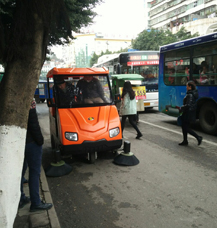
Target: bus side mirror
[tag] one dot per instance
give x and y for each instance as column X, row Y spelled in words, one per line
column 50, row 102
column 117, row 98
column 118, row 69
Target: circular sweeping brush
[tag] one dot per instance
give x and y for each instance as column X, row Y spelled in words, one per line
column 126, row 158
column 58, row 168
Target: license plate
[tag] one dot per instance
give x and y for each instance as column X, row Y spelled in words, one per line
column 146, row 104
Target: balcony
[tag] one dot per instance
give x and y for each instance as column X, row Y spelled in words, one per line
column 155, row 2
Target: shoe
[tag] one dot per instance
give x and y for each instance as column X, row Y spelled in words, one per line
column 40, row 207
column 138, row 136
column 23, row 202
column 184, row 143
column 199, row 140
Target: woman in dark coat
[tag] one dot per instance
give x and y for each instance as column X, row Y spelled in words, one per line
column 188, row 111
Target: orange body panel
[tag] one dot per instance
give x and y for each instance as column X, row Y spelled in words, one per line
column 91, row 123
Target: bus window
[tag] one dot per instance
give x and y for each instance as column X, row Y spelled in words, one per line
column 177, row 67
column 204, row 67
column 136, row 70
column 205, row 49
column 130, row 71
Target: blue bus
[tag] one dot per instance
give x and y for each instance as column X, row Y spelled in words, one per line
column 41, row 92
column 193, row 59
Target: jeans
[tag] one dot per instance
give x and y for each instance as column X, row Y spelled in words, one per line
column 25, row 165
column 33, row 156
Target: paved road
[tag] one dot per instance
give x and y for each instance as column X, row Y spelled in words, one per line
column 171, row 187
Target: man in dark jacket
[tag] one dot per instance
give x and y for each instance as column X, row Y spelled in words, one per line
column 32, row 157
column 66, row 94
column 90, row 90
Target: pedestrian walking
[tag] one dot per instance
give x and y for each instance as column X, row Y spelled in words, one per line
column 188, row 111
column 33, row 157
column 128, row 108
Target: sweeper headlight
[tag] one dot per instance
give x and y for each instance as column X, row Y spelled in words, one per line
column 71, row 136
column 114, row 132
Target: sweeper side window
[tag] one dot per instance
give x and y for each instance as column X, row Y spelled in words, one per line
column 86, row 90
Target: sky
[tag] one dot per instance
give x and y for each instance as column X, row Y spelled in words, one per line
column 125, row 17
column 120, row 16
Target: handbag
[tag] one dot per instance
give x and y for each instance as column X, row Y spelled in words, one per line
column 179, row 120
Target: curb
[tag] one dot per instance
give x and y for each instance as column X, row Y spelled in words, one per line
column 39, row 219
column 54, row 222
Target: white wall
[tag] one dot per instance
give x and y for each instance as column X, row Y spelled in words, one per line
column 201, row 26
column 12, row 142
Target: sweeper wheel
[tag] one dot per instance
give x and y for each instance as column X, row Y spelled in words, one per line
column 92, row 157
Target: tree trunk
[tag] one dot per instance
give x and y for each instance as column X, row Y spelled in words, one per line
column 16, row 92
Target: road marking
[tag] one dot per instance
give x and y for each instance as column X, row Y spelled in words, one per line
column 173, row 131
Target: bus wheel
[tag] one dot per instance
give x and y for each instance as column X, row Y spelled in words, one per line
column 42, row 100
column 208, row 118
column 92, row 157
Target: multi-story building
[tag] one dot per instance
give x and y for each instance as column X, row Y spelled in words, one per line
column 87, row 44
column 196, row 15
column 79, row 52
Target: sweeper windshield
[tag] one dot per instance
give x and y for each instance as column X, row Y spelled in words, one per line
column 81, row 90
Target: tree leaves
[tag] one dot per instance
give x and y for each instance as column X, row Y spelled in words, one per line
column 152, row 39
column 58, row 18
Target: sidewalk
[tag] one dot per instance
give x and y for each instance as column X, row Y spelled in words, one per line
column 42, row 219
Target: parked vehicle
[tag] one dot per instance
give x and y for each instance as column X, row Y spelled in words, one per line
column 41, row 92
column 79, row 125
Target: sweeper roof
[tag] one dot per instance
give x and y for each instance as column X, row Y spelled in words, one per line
column 77, row 71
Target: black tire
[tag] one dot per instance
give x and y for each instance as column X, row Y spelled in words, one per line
column 37, row 100
column 208, row 118
column 42, row 100
column 92, row 158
